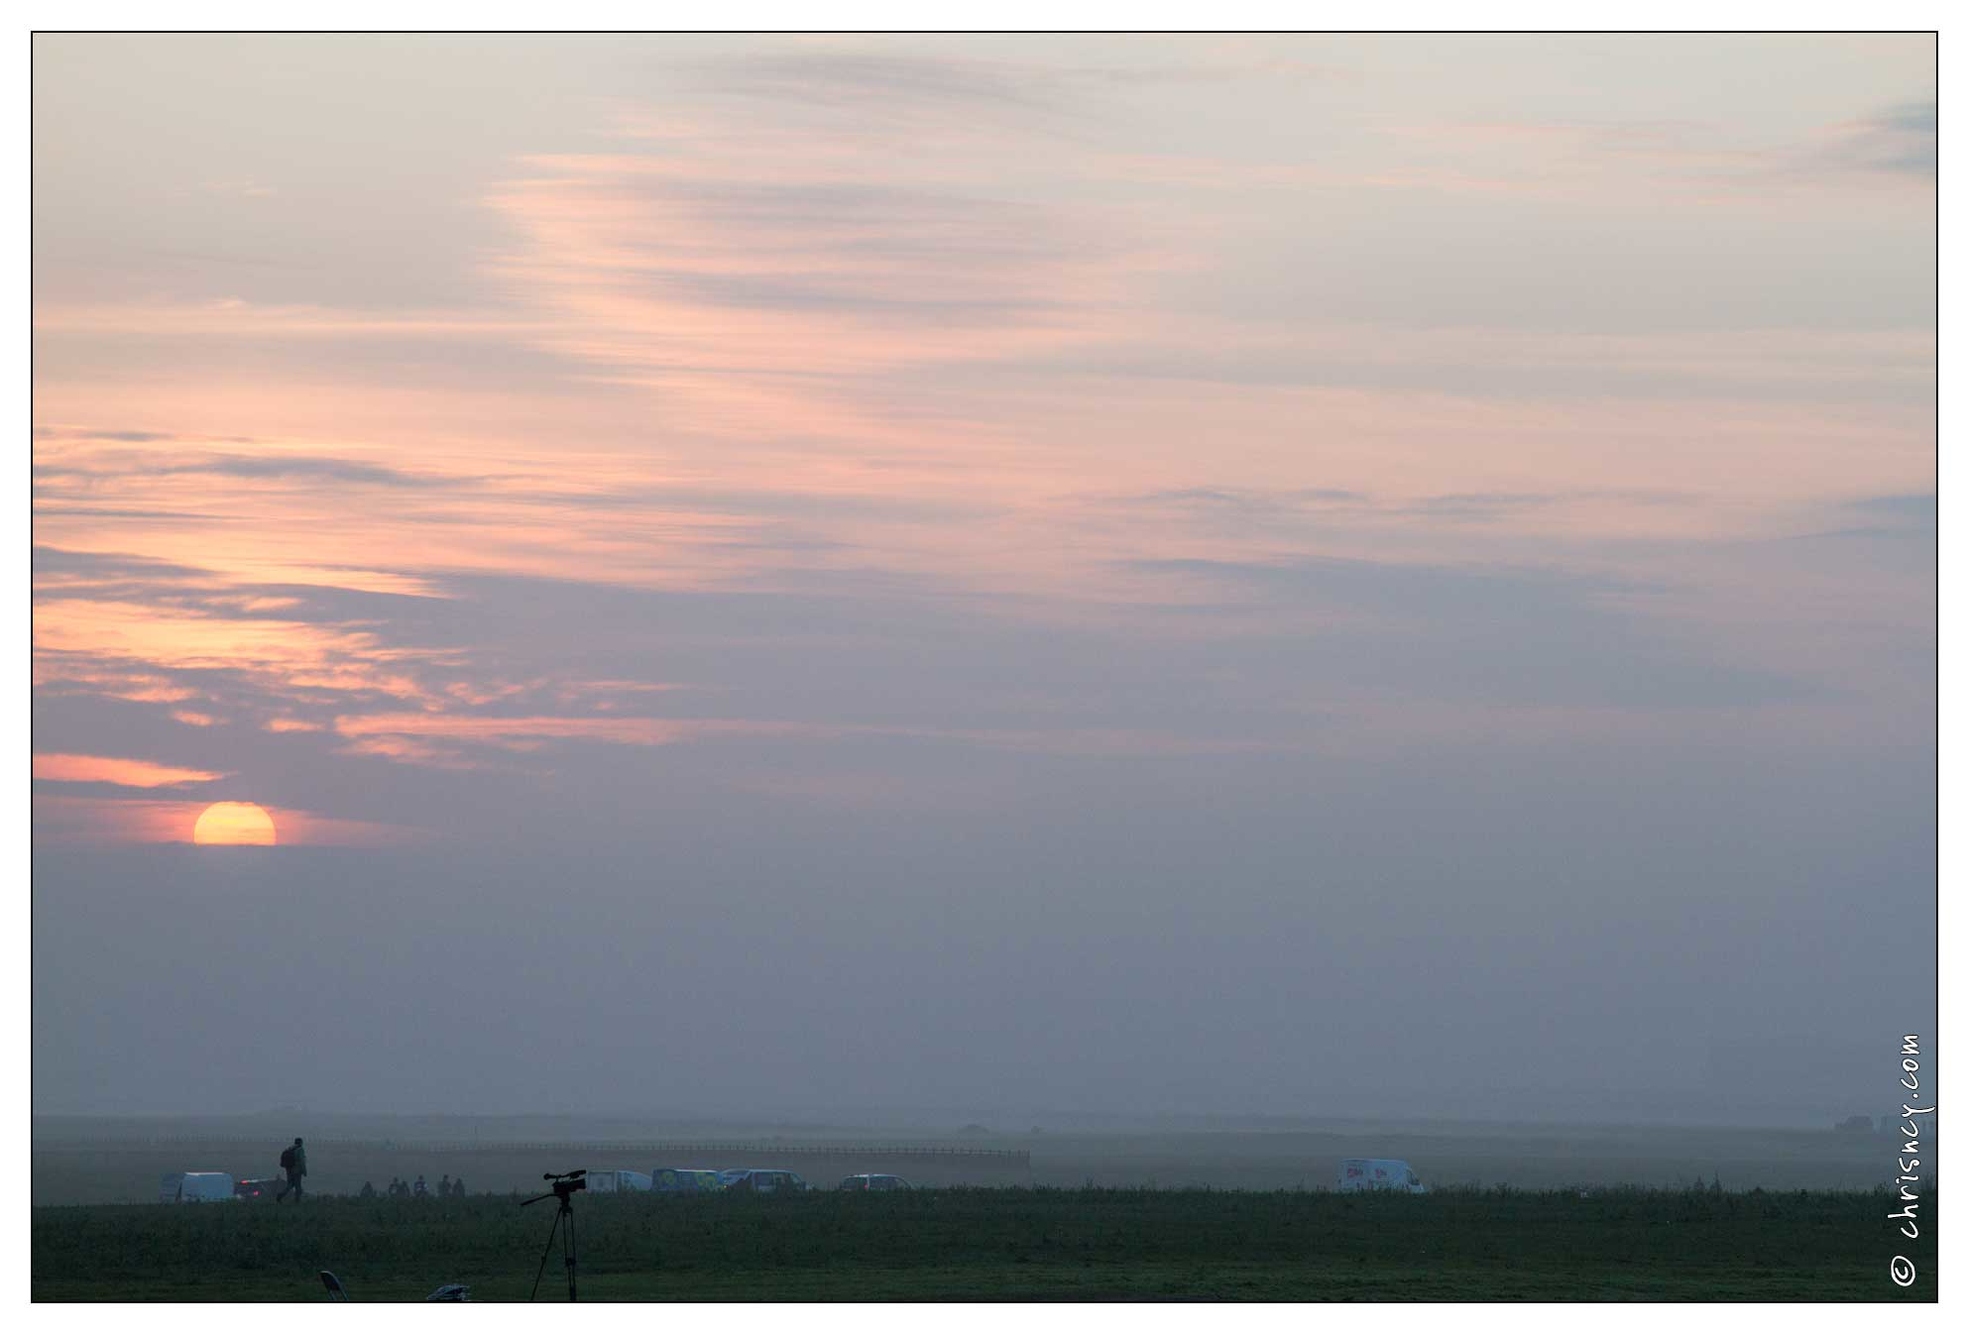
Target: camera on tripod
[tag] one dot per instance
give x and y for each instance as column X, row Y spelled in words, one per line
column 560, row 1186
column 565, row 1184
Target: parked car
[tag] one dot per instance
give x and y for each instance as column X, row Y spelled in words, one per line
column 262, row 1188
column 195, row 1187
column 761, row 1179
column 874, row 1181
column 686, row 1180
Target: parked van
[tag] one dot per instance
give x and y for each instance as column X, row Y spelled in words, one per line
column 874, row 1181
column 1379, row 1174
column 761, row 1179
column 619, row 1178
column 686, row 1180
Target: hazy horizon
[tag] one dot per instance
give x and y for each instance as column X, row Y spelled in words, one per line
column 1173, row 577
column 929, row 1123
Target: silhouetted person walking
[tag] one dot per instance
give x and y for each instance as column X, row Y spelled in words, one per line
column 458, row 1188
column 368, row 1191
column 294, row 1162
column 420, row 1190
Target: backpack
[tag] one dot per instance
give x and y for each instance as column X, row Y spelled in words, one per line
column 287, row 1159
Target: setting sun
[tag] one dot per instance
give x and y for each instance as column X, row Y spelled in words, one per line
column 234, row 822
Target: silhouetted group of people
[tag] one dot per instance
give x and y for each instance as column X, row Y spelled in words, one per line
column 294, row 1166
column 447, row 1189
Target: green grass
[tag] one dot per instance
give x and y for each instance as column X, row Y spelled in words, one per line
column 1014, row 1244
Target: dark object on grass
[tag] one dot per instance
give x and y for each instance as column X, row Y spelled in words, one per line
column 448, row 1292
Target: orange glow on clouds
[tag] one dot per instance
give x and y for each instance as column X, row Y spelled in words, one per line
column 287, row 656
column 735, row 352
column 122, row 773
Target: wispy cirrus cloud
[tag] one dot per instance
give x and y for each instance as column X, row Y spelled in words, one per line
column 675, row 263
column 435, row 738
column 1700, row 158
column 1897, row 140
column 891, row 85
column 123, row 469
column 128, row 437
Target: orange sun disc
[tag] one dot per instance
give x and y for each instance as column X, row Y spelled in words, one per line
column 234, row 823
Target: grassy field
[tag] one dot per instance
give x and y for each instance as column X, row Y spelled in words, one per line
column 1006, row 1244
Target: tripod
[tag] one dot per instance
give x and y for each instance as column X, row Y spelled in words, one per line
column 565, row 1184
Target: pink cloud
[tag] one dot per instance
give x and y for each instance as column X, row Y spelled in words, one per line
column 121, row 772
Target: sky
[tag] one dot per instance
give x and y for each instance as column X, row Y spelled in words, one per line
column 1326, row 576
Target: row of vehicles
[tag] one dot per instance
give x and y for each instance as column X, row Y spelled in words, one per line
column 200, row 1187
column 1356, row 1174
column 702, row 1180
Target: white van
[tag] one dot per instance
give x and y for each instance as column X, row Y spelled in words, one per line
column 620, row 1178
column 194, row 1187
column 1379, row 1174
